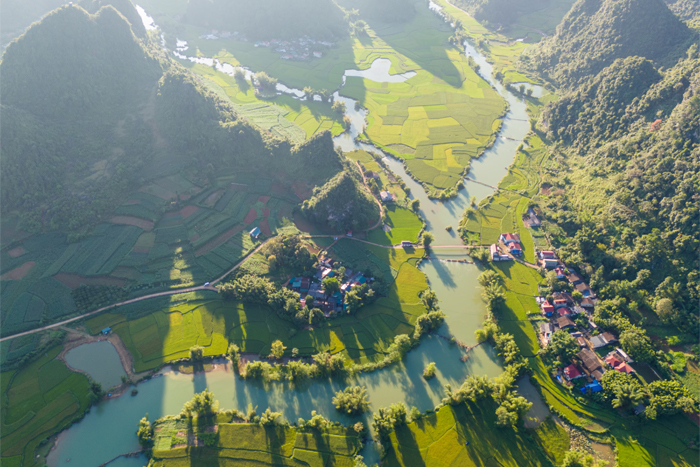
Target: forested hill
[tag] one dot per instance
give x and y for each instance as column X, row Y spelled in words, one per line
column 90, row 112
column 270, row 19
column 688, row 11
column 125, row 7
column 630, row 190
column 596, row 32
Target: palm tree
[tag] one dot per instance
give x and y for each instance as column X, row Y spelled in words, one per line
column 627, row 394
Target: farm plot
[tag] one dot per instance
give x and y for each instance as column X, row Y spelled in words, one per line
column 461, row 435
column 252, row 444
column 400, row 224
column 38, row 401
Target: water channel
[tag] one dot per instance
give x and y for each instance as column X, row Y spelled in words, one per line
column 108, row 429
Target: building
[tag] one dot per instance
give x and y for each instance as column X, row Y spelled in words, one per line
column 593, row 387
column 624, row 355
column 584, row 289
column 514, row 248
column 598, row 342
column 560, row 273
column 639, row 409
column 588, row 302
column 547, row 308
column 565, row 323
column 546, row 332
column 255, row 233
column 533, row 220
column 406, row 243
column 565, row 311
column 578, row 310
column 318, row 54
column 560, row 302
column 386, row 197
column 549, row 263
column 495, row 253
column 575, row 278
column 510, row 238
column 572, row 372
column 548, row 254
column 581, row 342
column 590, row 362
column 609, row 337
column 106, row 330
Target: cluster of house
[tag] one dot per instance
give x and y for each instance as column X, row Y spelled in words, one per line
column 298, row 49
column 215, row 35
column 387, row 197
column 508, row 243
column 561, row 313
column 311, row 286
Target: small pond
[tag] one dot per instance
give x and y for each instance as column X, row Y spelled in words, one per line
column 100, row 360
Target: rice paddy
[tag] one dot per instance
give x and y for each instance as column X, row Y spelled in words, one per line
column 244, row 444
column 37, row 401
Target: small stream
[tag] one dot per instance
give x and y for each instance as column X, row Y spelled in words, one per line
column 108, row 429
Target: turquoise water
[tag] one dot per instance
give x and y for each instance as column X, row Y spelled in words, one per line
column 100, row 360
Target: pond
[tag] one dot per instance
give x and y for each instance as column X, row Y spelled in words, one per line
column 100, row 360
column 379, row 72
column 108, row 430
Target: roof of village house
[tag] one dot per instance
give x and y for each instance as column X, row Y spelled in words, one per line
column 613, row 360
column 589, row 359
column 624, row 368
column 581, row 342
column 560, row 301
column 545, row 328
column 598, row 341
column 597, row 374
column 494, row 248
column 514, row 246
column 572, row 372
column 548, row 254
column 573, row 278
column 588, row 302
column 609, row 337
column 565, row 321
column 547, row 307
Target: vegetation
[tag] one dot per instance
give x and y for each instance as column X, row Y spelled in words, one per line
column 352, row 400
column 429, row 371
column 201, row 405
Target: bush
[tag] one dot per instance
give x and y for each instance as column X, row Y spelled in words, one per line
column 429, row 371
column 352, row 400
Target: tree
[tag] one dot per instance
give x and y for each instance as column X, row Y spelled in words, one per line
column 415, row 205
column 201, row 405
column 330, row 285
column 196, row 353
column 427, row 239
column 352, row 400
column 270, row 418
column 562, row 345
column 669, row 397
column 266, row 82
column 277, row 349
column 635, row 342
column 233, row 354
column 145, row 434
column 667, row 312
column 239, row 74
column 429, row 299
column 338, row 107
column 429, row 371
column 309, row 93
column 578, row 459
column 628, row 395
column 386, row 419
column 96, row 392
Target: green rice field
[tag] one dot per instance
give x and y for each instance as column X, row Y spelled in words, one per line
column 400, row 224
column 244, row 444
column 38, row 401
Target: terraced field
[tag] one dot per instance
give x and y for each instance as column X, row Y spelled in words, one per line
column 168, row 234
column 244, row 444
column 37, row 401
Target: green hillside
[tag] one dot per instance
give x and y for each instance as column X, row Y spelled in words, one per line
column 596, row 32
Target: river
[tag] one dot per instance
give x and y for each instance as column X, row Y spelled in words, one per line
column 108, row 429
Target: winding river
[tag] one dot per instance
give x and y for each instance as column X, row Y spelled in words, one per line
column 107, row 431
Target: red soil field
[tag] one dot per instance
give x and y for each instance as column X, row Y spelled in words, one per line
column 76, row 280
column 266, row 212
column 187, row 211
column 18, row 274
column 251, row 216
column 264, row 199
column 265, row 227
column 17, row 252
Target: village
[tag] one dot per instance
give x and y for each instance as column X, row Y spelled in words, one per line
column 303, row 48
column 571, row 311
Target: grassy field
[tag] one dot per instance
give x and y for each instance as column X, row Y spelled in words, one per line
column 403, row 224
column 244, row 444
column 283, row 116
column 38, row 401
column 168, row 234
column 439, row 440
column 387, row 180
column 167, row 334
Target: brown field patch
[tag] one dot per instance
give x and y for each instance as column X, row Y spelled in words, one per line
column 264, row 199
column 187, row 211
column 302, row 191
column 278, row 188
column 194, row 238
column 213, row 198
column 265, row 227
column 126, row 273
column 218, row 241
column 304, row 225
column 266, row 212
column 76, row 280
column 145, row 224
column 18, row 274
column 133, row 201
column 17, row 252
column 141, row 250
column 251, row 216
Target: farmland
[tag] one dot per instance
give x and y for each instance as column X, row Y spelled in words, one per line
column 170, row 233
column 38, row 401
column 440, row 439
column 253, row 444
column 400, row 224
column 157, row 337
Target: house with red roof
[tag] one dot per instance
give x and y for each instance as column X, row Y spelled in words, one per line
column 548, row 254
column 510, row 238
column 560, row 273
column 572, row 372
column 560, row 302
column 547, row 308
column 515, row 249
